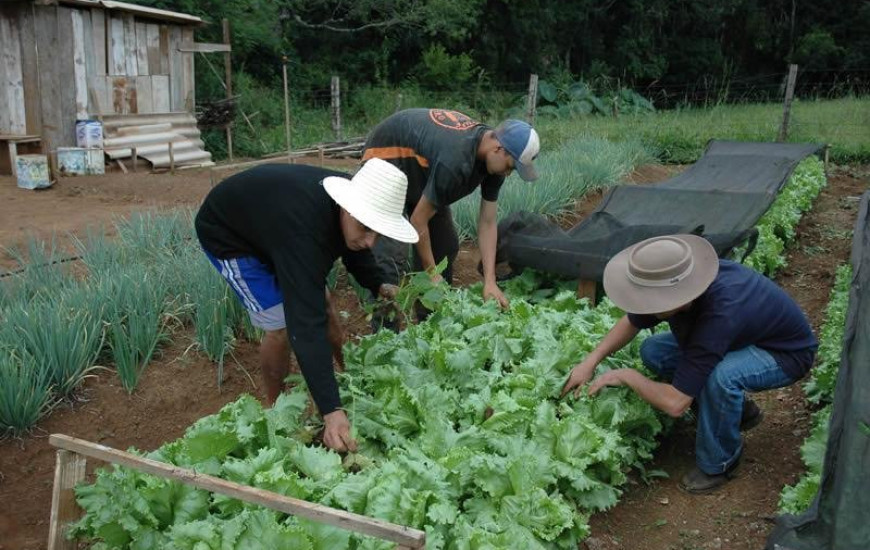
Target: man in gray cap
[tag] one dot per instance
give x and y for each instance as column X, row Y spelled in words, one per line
column 732, row 331
column 446, row 156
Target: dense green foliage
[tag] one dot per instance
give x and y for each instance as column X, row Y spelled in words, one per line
column 462, row 43
column 777, row 227
column 820, row 390
column 461, row 433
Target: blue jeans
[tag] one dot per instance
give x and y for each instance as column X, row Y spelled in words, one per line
column 718, row 443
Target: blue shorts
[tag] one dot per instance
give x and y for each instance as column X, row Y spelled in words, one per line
column 257, row 287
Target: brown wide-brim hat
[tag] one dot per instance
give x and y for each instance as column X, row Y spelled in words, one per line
column 660, row 274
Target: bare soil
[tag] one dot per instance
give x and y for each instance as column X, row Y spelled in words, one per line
column 181, row 386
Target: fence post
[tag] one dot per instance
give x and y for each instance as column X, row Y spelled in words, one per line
column 228, row 72
column 336, row 107
column 786, row 106
column 286, row 109
column 68, row 472
column 533, row 98
column 399, row 102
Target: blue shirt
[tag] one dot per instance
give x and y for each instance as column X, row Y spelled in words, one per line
column 740, row 308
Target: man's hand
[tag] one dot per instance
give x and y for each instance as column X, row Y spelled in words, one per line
column 336, row 433
column 491, row 290
column 436, row 278
column 609, row 378
column 388, row 291
column 580, row 375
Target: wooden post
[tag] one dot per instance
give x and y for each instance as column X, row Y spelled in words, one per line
column 403, row 536
column 586, row 289
column 786, row 106
column 827, row 156
column 399, row 102
column 228, row 74
column 69, row 470
column 320, row 154
column 171, row 159
column 135, row 158
column 532, row 99
column 335, row 87
column 286, row 110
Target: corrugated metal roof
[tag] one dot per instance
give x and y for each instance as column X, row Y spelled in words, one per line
column 143, row 11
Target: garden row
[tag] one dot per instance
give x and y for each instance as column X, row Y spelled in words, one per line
column 819, row 389
column 460, row 427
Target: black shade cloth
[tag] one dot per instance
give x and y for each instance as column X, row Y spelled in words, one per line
column 721, row 197
column 839, row 517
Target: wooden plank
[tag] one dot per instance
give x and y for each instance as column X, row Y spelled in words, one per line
column 152, row 44
column 68, row 472
column 176, row 70
column 30, row 71
column 12, row 83
column 6, row 106
column 142, row 48
column 80, row 76
column 130, row 58
column 160, row 94
column 118, row 87
column 164, row 49
column 144, row 99
column 204, row 47
column 66, row 75
column 99, row 98
column 131, row 97
column 88, row 45
column 98, row 27
column 586, row 289
column 412, row 538
column 48, row 61
column 117, row 61
column 188, row 87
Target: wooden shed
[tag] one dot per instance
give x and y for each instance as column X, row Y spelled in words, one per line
column 125, row 64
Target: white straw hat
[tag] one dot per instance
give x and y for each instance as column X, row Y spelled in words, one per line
column 375, row 196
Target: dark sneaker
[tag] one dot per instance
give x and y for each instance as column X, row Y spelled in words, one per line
column 697, row 482
column 752, row 415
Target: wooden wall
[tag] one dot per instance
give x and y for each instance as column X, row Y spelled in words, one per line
column 90, row 62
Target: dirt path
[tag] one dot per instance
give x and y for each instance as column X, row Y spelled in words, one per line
column 181, row 386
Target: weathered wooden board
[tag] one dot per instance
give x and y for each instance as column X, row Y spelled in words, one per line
column 118, row 90
column 188, row 89
column 117, row 61
column 12, row 83
column 176, row 70
column 80, row 78
column 65, row 60
column 98, row 26
column 130, row 58
column 88, row 45
column 144, row 100
column 99, row 98
column 164, row 49
column 30, row 71
column 160, row 102
column 152, row 44
column 142, row 48
column 49, row 78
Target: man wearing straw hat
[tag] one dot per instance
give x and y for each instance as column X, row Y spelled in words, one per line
column 274, row 232
column 446, row 156
column 732, row 331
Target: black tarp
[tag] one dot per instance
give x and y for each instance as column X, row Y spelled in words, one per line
column 721, row 197
column 839, row 518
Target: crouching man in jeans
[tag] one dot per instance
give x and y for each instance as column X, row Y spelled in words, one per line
column 732, row 331
column 274, row 232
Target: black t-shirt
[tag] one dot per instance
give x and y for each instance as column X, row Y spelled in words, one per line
column 437, row 150
column 740, row 308
column 282, row 215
